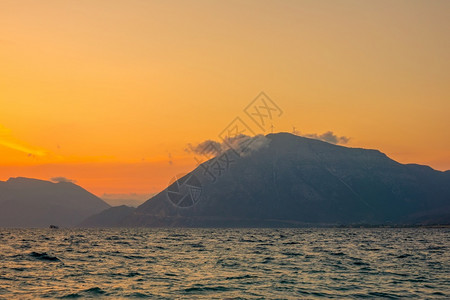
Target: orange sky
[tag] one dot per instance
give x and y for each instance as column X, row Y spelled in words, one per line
column 108, row 92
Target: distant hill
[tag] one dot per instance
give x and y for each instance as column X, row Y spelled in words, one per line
column 296, row 181
column 26, row 202
column 110, row 217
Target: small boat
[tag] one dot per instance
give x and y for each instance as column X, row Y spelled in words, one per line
column 53, row 227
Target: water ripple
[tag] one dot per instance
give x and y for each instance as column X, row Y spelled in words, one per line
column 224, row 263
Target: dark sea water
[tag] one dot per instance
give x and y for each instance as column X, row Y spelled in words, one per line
column 224, row 263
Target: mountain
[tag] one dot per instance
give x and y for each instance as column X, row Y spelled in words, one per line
column 26, row 202
column 110, row 217
column 286, row 180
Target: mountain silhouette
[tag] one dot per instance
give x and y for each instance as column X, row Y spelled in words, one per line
column 26, row 202
column 109, row 217
column 296, row 181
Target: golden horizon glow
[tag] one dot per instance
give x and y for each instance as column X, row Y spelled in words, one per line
column 109, row 93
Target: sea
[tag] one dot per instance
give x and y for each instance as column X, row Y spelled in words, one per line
column 224, row 263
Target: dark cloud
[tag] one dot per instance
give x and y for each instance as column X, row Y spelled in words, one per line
column 328, row 137
column 62, row 179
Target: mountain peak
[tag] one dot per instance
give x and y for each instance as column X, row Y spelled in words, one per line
column 298, row 180
column 25, row 180
column 28, row 202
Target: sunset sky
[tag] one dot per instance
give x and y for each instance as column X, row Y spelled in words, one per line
column 110, row 93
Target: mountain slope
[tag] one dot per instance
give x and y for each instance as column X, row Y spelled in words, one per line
column 295, row 181
column 26, row 202
column 110, row 217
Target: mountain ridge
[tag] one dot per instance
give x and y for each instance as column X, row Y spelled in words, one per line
column 29, row 202
column 297, row 180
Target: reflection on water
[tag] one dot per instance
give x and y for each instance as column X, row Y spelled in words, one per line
column 225, row 263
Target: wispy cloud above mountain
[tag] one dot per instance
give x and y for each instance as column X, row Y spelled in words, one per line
column 62, row 179
column 328, row 137
column 241, row 143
